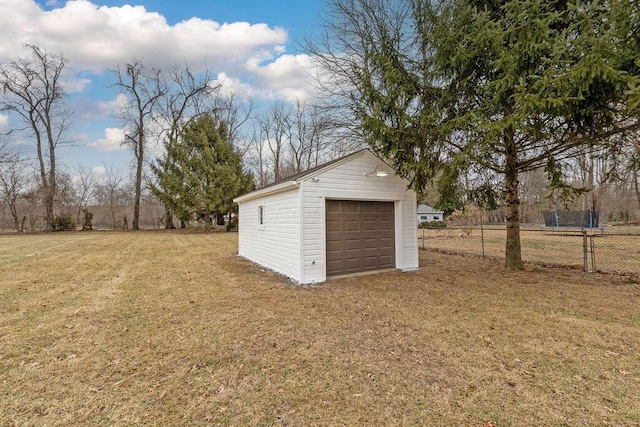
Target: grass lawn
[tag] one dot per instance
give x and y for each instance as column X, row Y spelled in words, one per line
column 170, row 328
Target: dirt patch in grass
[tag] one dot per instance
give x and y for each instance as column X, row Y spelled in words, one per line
column 174, row 329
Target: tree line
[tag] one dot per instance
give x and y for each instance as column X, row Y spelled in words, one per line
column 214, row 147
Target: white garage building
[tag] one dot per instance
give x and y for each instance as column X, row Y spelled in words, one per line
column 351, row 215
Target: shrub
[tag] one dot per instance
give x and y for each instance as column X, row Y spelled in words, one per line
column 467, row 218
column 64, row 222
column 433, row 224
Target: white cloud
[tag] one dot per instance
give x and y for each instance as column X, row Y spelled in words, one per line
column 114, row 106
column 230, row 85
column 96, row 38
column 99, row 170
column 91, row 109
column 4, row 121
column 75, row 85
column 112, row 141
column 250, row 59
column 288, row 77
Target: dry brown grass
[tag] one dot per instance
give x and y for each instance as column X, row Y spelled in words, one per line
column 174, row 329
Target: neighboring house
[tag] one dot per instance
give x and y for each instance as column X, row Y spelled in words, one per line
column 350, row 215
column 427, row 213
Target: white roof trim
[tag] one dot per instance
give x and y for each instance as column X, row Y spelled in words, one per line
column 283, row 186
column 426, row 209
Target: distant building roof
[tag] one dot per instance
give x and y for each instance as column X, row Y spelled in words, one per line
column 424, row 209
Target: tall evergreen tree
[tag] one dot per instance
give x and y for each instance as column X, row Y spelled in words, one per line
column 201, row 173
column 495, row 87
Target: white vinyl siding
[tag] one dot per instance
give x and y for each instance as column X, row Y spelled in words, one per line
column 276, row 243
column 429, row 217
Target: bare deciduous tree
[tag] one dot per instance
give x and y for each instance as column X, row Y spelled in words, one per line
column 235, row 113
column 84, row 186
column 32, row 92
column 109, row 192
column 13, row 182
column 276, row 127
column 143, row 87
column 256, row 156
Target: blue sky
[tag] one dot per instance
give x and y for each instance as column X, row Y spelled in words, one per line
column 252, row 47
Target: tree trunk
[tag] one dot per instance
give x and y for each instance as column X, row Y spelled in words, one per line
column 168, row 220
column 51, row 191
column 135, row 224
column 45, row 183
column 113, row 218
column 513, row 252
column 635, row 185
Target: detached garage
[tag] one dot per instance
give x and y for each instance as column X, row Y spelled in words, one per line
column 352, row 215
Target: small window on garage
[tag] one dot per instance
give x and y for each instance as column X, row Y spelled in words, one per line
column 436, row 218
column 424, row 218
column 261, row 217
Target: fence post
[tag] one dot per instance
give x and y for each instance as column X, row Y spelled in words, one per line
column 593, row 253
column 585, row 250
column 423, row 238
column 482, row 237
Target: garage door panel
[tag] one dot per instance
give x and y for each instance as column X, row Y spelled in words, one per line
column 352, row 245
column 386, row 243
column 369, row 225
column 334, row 226
column 385, row 225
column 353, row 265
column 350, row 207
column 332, row 208
column 370, row 243
column 335, row 265
column 352, row 225
column 386, row 260
column 370, row 261
column 333, row 246
column 386, row 208
column 360, row 236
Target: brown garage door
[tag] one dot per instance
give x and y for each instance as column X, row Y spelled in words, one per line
column 360, row 236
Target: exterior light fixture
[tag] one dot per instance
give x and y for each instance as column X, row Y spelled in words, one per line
column 378, row 171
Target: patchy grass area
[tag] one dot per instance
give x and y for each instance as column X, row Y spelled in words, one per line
column 174, row 329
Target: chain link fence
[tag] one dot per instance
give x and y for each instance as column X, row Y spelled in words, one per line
column 604, row 250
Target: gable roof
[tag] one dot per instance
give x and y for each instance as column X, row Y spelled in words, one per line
column 294, row 180
column 426, row 209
